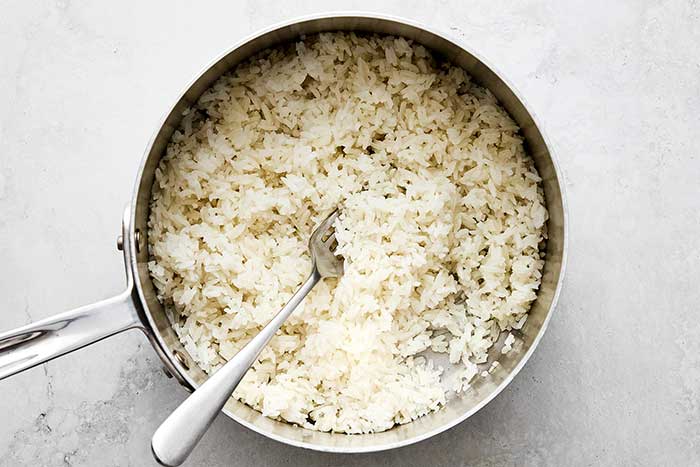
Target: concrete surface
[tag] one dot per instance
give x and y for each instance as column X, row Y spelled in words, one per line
column 616, row 380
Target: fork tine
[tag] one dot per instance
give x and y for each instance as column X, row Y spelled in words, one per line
column 322, row 245
column 330, row 239
column 330, row 219
column 326, row 224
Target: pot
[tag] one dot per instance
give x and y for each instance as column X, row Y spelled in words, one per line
column 138, row 308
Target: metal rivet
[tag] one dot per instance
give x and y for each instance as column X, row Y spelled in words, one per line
column 137, row 238
column 167, row 372
column 181, row 358
column 120, row 243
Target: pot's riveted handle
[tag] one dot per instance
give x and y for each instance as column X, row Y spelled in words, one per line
column 36, row 343
column 39, row 342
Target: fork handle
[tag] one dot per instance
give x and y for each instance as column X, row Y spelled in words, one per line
column 177, row 436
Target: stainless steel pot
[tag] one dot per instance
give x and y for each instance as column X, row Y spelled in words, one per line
column 138, row 308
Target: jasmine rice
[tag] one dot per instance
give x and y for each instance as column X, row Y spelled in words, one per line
column 442, row 224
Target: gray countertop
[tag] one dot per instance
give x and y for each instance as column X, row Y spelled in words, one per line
column 616, row 380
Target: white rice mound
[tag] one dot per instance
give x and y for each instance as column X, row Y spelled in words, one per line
column 442, row 225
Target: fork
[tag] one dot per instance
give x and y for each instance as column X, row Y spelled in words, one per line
column 177, row 436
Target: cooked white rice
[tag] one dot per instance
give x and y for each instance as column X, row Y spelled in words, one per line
column 441, row 227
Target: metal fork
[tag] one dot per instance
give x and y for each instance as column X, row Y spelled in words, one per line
column 177, row 436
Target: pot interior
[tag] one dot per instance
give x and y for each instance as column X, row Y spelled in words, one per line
column 484, row 389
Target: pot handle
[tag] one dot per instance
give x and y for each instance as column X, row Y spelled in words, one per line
column 36, row 343
column 39, row 342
